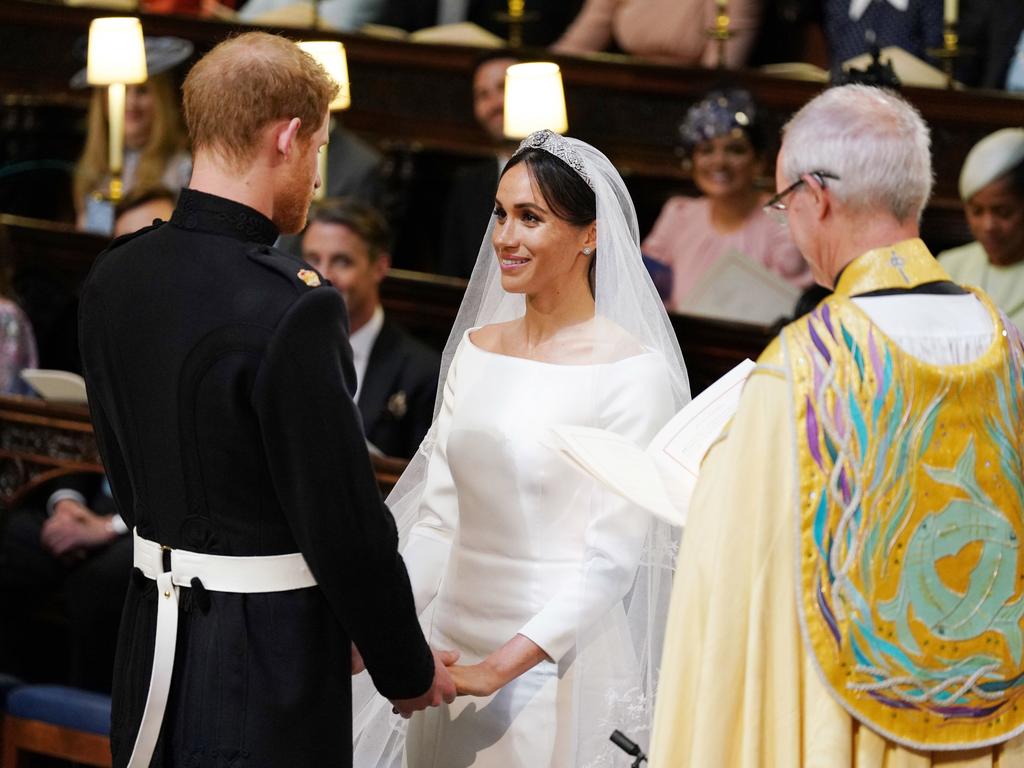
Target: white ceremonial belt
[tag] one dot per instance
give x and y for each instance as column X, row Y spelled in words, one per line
column 218, row 573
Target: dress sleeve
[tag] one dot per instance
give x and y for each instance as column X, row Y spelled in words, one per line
column 616, row 531
column 429, row 545
column 591, row 31
column 665, row 232
column 785, row 259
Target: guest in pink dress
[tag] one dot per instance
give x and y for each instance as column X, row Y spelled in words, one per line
column 724, row 146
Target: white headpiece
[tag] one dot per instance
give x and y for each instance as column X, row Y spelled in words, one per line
column 994, row 156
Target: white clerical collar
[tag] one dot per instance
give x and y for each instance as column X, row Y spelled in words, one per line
column 857, row 7
column 362, row 342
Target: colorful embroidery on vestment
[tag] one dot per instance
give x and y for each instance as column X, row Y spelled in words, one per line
column 911, row 520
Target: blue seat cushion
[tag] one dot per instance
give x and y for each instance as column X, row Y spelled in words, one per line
column 63, row 706
column 7, row 683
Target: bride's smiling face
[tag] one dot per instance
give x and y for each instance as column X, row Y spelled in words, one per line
column 536, row 250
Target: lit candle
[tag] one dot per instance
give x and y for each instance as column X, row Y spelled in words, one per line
column 952, row 11
column 115, row 125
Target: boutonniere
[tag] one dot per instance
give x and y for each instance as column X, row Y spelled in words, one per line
column 398, row 404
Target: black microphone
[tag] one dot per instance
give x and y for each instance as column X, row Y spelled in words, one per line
column 630, row 747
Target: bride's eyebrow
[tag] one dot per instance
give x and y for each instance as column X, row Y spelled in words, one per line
column 530, row 207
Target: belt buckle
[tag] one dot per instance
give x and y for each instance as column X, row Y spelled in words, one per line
column 165, row 557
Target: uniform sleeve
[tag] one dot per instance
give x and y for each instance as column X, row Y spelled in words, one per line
column 326, row 486
column 430, row 540
column 615, row 533
column 592, row 29
column 92, row 334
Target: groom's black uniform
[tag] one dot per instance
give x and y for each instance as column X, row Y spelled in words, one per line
column 220, row 389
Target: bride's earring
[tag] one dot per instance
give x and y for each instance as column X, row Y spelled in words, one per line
column 587, row 251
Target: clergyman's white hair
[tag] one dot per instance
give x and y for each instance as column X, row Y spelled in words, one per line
column 875, row 142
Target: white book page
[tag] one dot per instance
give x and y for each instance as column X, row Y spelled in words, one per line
column 689, row 434
column 661, row 478
column 737, row 288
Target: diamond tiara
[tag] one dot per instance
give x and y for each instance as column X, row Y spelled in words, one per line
column 557, row 145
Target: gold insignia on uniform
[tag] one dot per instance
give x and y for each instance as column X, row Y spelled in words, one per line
column 398, row 404
column 309, row 277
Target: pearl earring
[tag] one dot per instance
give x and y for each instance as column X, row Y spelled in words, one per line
column 587, row 251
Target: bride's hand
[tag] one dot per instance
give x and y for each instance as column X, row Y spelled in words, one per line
column 475, row 679
column 500, row 668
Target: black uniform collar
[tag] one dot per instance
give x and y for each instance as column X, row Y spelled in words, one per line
column 220, row 216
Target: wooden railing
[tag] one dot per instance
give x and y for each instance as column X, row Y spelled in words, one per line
column 39, row 440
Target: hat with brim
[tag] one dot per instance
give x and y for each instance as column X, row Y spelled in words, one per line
column 162, row 54
column 991, row 158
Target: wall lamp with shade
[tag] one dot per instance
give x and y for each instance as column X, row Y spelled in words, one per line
column 534, row 99
column 117, row 57
column 330, row 55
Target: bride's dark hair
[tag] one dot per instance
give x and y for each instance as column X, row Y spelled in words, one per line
column 564, row 190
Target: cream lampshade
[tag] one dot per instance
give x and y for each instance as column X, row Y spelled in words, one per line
column 117, row 53
column 117, row 56
column 534, row 99
column 330, row 55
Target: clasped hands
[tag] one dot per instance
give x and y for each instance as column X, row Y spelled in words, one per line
column 74, row 529
column 483, row 679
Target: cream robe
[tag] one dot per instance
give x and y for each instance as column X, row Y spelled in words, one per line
column 737, row 689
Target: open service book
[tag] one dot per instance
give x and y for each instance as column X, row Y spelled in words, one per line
column 662, row 477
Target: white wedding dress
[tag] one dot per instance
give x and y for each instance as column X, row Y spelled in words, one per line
column 514, row 540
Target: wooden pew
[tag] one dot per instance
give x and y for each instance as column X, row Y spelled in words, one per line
column 416, row 96
column 424, row 304
column 38, row 439
column 41, row 440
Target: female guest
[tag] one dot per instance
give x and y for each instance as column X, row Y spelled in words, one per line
column 17, row 342
column 155, row 143
column 723, row 144
column 672, row 30
column 550, row 587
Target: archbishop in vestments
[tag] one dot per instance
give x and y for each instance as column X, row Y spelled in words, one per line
column 857, row 599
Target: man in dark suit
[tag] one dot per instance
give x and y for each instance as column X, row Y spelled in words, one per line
column 64, row 554
column 993, row 30
column 471, row 196
column 220, row 380
column 347, row 241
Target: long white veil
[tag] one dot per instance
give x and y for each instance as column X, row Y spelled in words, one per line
column 625, row 296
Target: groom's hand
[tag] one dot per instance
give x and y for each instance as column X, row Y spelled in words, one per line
column 442, row 689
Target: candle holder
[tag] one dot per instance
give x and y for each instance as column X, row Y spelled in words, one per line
column 950, row 51
column 720, row 33
column 516, row 17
